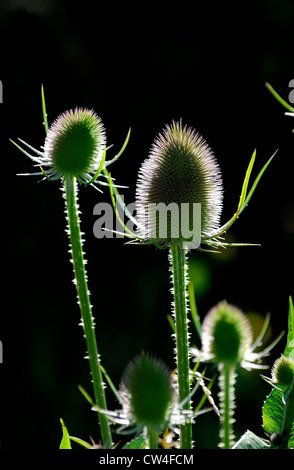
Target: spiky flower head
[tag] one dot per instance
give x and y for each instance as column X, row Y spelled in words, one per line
column 74, row 145
column 283, row 371
column 146, row 391
column 226, row 334
column 180, row 170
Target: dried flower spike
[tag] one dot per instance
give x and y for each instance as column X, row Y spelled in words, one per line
column 181, row 170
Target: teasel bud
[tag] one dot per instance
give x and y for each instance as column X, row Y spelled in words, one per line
column 146, row 391
column 74, row 145
column 283, row 371
column 180, row 171
column 226, row 334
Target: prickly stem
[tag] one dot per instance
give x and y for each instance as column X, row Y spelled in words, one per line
column 179, row 277
column 70, row 195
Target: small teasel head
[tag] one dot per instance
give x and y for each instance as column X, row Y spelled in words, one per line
column 226, row 334
column 146, row 391
column 283, row 371
column 181, row 173
column 74, row 145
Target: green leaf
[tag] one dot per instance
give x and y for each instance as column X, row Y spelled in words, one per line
column 193, row 309
column 273, row 415
column 65, row 441
column 244, row 198
column 100, row 168
column 23, row 151
column 273, row 412
column 246, row 181
column 86, row 395
column 289, row 351
column 172, row 323
column 249, row 440
column 121, row 150
column 278, row 98
column 241, row 204
column 256, row 183
column 111, row 384
column 81, row 442
column 44, row 110
column 137, row 443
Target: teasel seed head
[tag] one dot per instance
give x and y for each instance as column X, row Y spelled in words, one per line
column 74, row 145
column 226, row 334
column 146, row 391
column 283, row 371
column 180, row 169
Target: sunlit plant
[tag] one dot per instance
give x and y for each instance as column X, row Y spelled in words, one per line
column 226, row 337
column 182, row 170
column 74, row 152
column 278, row 408
column 181, row 174
column 149, row 400
column 150, row 408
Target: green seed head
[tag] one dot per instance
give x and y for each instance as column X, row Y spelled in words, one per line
column 226, row 333
column 181, row 169
column 283, row 371
column 147, row 391
column 74, row 144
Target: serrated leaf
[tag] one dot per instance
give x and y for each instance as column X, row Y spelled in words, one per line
column 249, row 440
column 273, row 412
column 65, row 441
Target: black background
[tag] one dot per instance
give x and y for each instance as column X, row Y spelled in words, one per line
column 139, row 65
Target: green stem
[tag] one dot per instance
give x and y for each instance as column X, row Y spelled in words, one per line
column 178, row 263
column 85, row 306
column 227, row 404
column 153, row 438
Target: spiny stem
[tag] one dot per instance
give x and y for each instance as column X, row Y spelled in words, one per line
column 70, row 195
column 227, row 404
column 179, row 268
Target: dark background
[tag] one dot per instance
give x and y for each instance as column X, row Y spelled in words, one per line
column 140, row 65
